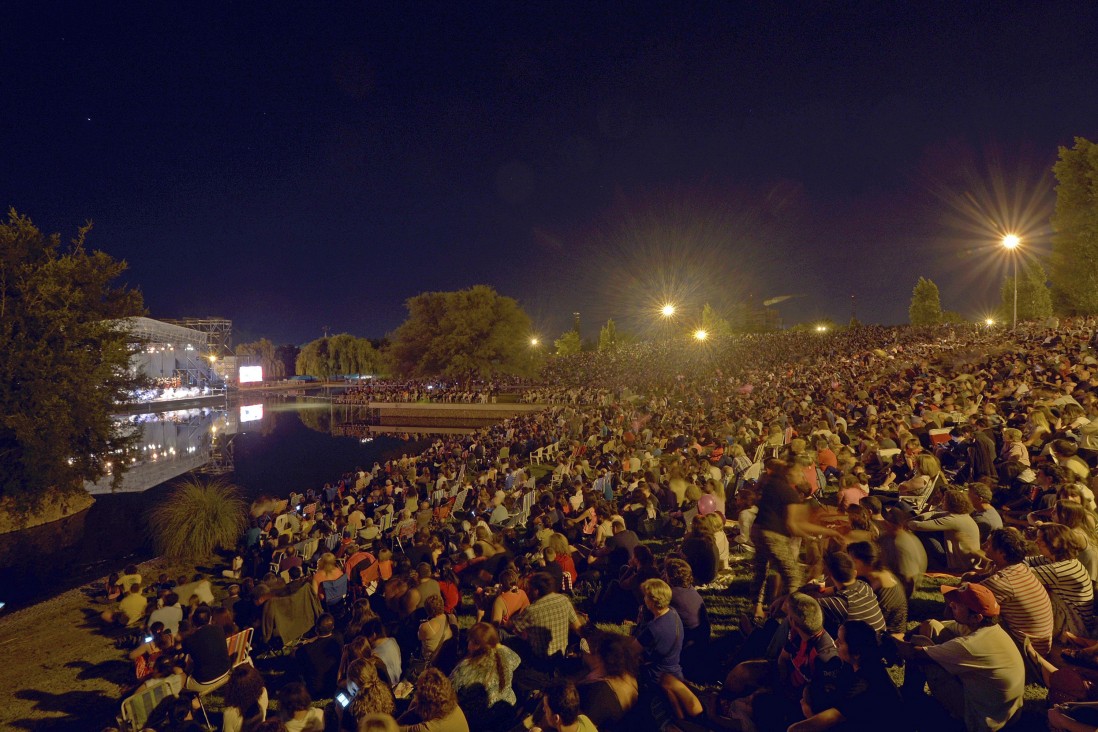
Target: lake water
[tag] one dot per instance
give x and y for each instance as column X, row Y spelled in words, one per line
column 266, row 446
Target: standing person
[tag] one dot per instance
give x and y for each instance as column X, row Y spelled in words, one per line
column 782, row 518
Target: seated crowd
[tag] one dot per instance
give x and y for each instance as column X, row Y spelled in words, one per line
column 545, row 572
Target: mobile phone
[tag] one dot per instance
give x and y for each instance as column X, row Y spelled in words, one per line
column 2, row 604
column 148, row 639
column 343, row 699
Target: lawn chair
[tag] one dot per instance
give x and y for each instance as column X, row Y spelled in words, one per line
column 404, row 531
column 335, row 594
column 136, row 709
column 385, row 521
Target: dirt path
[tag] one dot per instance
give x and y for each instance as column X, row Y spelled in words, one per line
column 58, row 669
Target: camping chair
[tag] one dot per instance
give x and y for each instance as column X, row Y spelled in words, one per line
column 406, row 530
column 459, row 501
column 240, row 647
column 136, row 709
column 385, row 521
column 443, row 512
column 335, row 593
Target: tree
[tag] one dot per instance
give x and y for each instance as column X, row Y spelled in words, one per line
column 568, row 344
column 197, row 518
column 340, row 354
column 1074, row 262
column 472, row 332
column 713, row 324
column 65, row 362
column 926, row 306
column 313, row 360
column 1034, row 297
column 608, row 336
column 266, row 355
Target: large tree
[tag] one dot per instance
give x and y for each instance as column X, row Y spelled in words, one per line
column 608, row 336
column 1074, row 263
column 1034, row 297
column 340, row 354
column 266, row 355
column 568, row 344
column 926, row 305
column 473, row 332
column 712, row 322
column 64, row 362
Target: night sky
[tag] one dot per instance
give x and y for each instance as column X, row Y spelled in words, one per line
column 292, row 168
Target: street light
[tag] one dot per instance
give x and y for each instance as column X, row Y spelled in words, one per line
column 1011, row 242
column 701, row 334
column 821, row 328
column 534, row 342
column 989, row 322
column 667, row 310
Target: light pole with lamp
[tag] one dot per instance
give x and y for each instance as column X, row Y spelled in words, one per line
column 1011, row 242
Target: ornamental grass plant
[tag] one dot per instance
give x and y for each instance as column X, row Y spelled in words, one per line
column 198, row 517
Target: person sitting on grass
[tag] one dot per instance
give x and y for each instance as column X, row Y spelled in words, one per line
column 561, row 709
column 434, row 706
column 130, row 610
column 245, row 700
column 863, row 697
column 973, row 667
column 295, row 706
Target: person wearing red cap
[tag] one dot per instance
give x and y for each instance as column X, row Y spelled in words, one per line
column 972, row 666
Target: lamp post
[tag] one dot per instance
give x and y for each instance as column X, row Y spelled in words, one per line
column 1011, row 242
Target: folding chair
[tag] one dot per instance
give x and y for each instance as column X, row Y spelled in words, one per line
column 385, row 521
column 406, row 530
column 335, row 593
column 240, row 646
column 136, row 709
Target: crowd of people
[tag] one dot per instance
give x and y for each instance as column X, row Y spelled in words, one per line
column 545, row 572
column 469, row 391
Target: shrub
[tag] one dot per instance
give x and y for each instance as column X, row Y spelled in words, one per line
column 198, row 517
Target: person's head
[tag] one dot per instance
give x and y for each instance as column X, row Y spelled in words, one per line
column 1071, row 515
column 201, row 616
column 434, row 696
column 866, row 555
column 325, row 625
column 559, row 543
column 871, row 504
column 561, row 704
column 979, row 493
column 616, row 653
column 362, row 673
column 1011, row 435
column 956, row 502
column 928, row 465
column 859, row 517
column 972, row 604
column 244, row 688
column 541, row 584
column 294, row 699
column 377, row 723
column 804, row 613
column 423, row 570
column 1006, row 546
column 1058, row 542
column 171, row 599
column 657, row 595
column 326, row 563
column 482, row 638
column 643, row 555
column 840, row 568
column 679, row 573
column 857, row 643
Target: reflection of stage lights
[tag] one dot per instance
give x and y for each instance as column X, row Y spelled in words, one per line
column 251, row 412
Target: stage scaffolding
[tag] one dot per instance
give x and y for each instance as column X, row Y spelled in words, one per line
column 219, row 333
column 189, row 347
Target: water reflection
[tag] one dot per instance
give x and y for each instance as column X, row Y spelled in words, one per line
column 267, row 446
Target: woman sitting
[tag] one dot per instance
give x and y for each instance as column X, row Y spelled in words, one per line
column 483, row 678
column 510, row 600
column 295, row 706
column 435, row 630
column 865, row 697
column 1065, row 578
column 326, row 571
column 951, row 537
column 434, row 706
column 368, row 693
column 245, row 699
column 890, row 592
column 610, row 688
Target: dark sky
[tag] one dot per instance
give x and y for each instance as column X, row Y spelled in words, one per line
column 292, row 168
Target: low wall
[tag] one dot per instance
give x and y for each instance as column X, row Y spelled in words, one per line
column 451, row 411
column 54, row 508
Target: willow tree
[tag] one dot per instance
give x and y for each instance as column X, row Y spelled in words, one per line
column 64, row 363
column 472, row 332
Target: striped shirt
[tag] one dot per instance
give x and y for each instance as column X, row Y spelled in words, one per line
column 1026, row 609
column 856, row 602
column 1068, row 582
